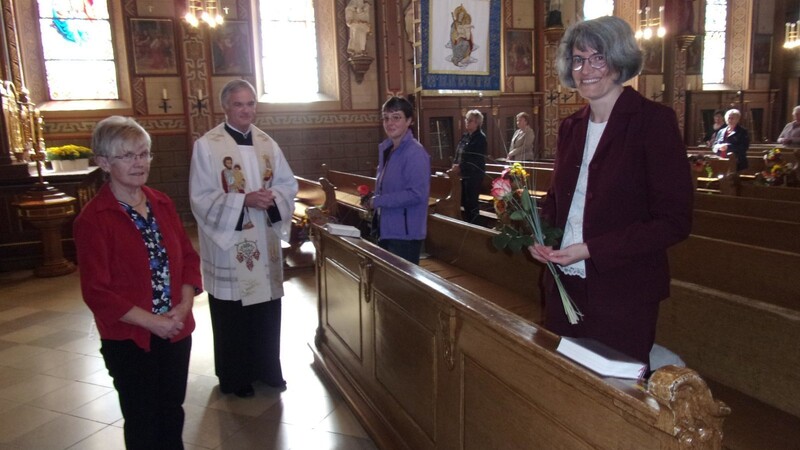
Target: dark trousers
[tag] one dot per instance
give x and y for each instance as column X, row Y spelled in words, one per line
column 247, row 343
column 151, row 388
column 470, row 191
column 408, row 250
column 630, row 329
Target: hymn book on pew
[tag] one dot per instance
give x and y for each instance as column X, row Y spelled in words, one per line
column 601, row 358
column 342, row 230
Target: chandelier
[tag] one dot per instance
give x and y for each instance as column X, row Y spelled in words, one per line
column 792, row 39
column 647, row 25
column 203, row 10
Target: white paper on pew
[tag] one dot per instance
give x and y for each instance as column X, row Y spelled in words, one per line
column 342, row 230
column 601, row 358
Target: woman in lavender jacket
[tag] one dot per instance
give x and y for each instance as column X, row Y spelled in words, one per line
column 402, row 186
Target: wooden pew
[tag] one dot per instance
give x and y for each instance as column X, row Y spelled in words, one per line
column 426, row 364
column 445, row 194
column 464, row 255
column 735, row 305
column 310, row 195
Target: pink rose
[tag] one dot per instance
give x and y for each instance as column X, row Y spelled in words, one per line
column 500, row 187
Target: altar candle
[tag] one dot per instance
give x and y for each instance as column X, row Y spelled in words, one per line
column 662, row 87
column 559, row 88
column 199, row 94
column 164, row 94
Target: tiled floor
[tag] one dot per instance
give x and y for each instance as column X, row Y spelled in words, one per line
column 55, row 392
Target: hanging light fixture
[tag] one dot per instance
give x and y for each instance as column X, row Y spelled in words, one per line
column 203, row 10
column 649, row 26
column 792, row 39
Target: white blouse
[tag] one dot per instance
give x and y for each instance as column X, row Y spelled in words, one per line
column 573, row 231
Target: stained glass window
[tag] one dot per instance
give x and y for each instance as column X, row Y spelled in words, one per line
column 714, row 45
column 77, row 48
column 289, row 50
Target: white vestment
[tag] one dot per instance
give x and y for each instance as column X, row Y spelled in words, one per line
column 217, row 212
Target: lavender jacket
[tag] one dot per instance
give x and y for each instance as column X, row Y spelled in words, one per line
column 402, row 188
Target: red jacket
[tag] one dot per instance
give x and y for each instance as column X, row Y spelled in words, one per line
column 115, row 266
column 638, row 201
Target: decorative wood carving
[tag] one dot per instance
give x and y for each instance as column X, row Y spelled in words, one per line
column 697, row 417
column 447, row 330
column 365, row 267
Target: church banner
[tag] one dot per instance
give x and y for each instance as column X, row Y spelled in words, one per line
column 460, row 45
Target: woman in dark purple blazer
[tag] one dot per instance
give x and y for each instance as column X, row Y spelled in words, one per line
column 621, row 191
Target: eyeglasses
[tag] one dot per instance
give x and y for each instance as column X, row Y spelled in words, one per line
column 597, row 61
column 396, row 117
column 130, row 157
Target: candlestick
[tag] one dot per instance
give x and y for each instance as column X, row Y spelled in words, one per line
column 199, row 94
column 164, row 94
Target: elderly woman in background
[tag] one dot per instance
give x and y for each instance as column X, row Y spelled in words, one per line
column 523, row 139
column 139, row 275
column 621, row 190
column 791, row 132
column 733, row 139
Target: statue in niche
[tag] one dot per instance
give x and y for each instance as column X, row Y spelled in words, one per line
column 409, row 19
column 357, row 18
column 553, row 19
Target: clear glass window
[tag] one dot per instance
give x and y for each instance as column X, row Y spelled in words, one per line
column 289, row 50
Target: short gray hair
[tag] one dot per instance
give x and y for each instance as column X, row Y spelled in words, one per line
column 732, row 112
column 114, row 135
column 234, row 86
column 477, row 114
column 608, row 35
column 795, row 109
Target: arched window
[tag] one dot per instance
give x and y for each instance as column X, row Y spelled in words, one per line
column 714, row 45
column 593, row 9
column 76, row 39
column 298, row 51
column 289, row 50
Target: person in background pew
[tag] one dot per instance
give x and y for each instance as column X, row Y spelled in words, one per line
column 402, row 184
column 523, row 139
column 240, row 232
column 733, row 139
column 719, row 123
column 791, row 132
column 139, row 275
column 621, row 191
column 470, row 164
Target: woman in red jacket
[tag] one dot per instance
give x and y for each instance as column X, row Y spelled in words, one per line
column 139, row 275
column 621, row 191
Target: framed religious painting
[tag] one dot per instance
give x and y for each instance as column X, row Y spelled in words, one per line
column 230, row 49
column 460, row 48
column 653, row 55
column 694, row 57
column 519, row 52
column 762, row 53
column 154, row 50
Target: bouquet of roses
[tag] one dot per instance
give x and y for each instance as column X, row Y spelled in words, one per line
column 521, row 225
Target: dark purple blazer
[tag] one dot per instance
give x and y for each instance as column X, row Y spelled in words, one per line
column 638, row 203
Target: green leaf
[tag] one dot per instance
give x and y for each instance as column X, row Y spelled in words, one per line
column 500, row 241
column 518, row 215
column 515, row 245
column 526, row 200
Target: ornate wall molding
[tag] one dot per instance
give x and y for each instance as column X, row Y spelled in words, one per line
column 739, row 32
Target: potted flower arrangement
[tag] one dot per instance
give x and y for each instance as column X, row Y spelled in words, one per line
column 69, row 157
column 777, row 172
